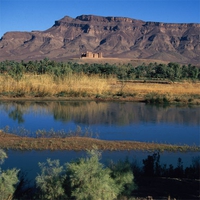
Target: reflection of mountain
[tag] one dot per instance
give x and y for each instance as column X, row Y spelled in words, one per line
column 91, row 112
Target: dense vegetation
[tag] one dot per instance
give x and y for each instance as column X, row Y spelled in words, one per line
column 170, row 71
column 46, row 78
column 87, row 178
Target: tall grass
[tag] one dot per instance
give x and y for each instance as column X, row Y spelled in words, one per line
column 47, row 85
column 81, row 85
column 163, row 93
column 180, row 88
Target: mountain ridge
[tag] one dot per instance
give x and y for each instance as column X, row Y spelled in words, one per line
column 115, row 37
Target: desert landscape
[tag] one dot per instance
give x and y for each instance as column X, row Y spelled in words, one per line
column 124, row 77
column 114, row 37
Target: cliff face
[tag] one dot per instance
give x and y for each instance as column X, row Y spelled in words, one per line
column 113, row 36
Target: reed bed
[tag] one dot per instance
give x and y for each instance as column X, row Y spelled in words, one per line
column 46, row 85
column 180, row 88
column 93, row 86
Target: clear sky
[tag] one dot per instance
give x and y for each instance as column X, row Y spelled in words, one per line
column 28, row 15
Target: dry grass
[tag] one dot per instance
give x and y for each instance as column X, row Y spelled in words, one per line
column 47, row 85
column 10, row 141
column 93, row 86
column 184, row 91
column 173, row 88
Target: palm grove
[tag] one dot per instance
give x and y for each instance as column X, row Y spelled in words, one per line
column 170, row 71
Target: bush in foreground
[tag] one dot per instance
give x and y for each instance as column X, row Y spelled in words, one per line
column 50, row 180
column 8, row 180
column 83, row 179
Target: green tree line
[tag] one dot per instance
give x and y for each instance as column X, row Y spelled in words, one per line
column 170, row 71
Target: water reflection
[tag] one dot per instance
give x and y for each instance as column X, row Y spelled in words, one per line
column 91, row 112
column 112, row 120
column 16, row 114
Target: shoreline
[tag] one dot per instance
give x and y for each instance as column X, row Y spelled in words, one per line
column 14, row 142
column 154, row 101
column 53, row 98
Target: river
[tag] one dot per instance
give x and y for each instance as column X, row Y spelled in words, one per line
column 104, row 120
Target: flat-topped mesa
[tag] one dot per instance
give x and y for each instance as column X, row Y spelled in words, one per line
column 115, row 37
column 105, row 19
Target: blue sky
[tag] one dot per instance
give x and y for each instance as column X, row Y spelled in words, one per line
column 28, row 15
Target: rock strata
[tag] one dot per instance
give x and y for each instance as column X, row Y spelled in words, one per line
column 119, row 37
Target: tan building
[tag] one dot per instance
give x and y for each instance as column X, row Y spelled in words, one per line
column 89, row 54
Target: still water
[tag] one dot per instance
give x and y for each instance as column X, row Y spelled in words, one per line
column 107, row 120
column 27, row 161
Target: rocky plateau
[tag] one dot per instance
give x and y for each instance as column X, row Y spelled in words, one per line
column 115, row 37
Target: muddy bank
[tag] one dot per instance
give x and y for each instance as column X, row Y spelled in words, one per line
column 11, row 141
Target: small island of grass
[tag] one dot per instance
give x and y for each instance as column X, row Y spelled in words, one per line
column 77, row 143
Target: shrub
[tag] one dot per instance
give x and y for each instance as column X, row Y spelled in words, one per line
column 90, row 180
column 50, row 180
column 8, row 180
column 123, row 176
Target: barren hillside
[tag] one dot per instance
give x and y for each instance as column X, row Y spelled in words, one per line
column 115, row 37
